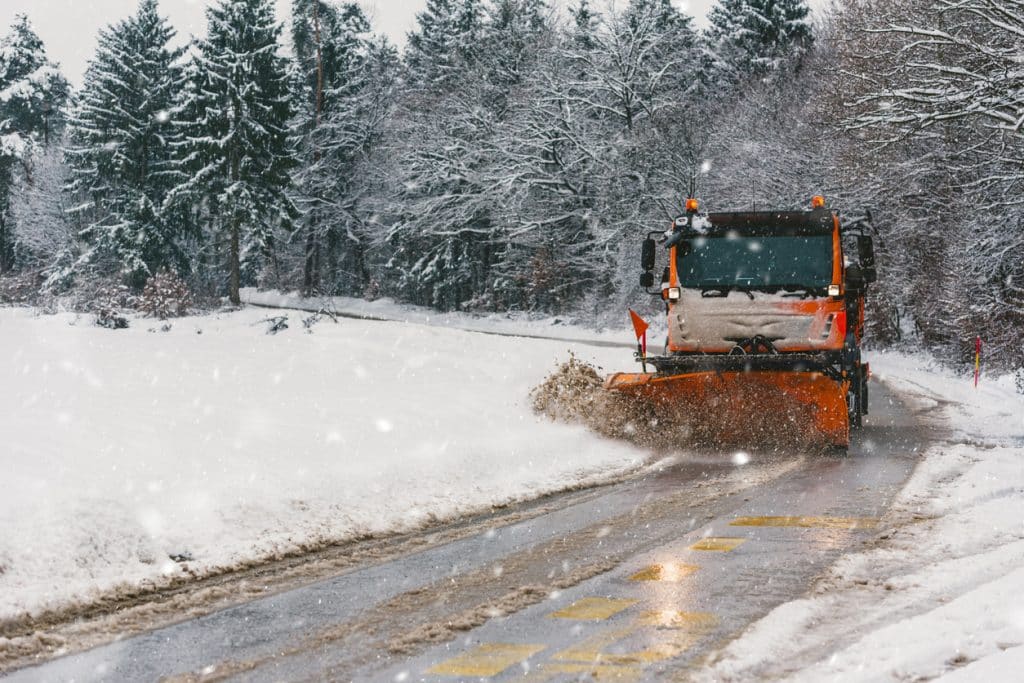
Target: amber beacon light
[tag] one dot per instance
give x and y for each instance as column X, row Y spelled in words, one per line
column 818, row 202
column 692, row 206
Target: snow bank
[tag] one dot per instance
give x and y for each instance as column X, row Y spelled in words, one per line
column 938, row 593
column 134, row 456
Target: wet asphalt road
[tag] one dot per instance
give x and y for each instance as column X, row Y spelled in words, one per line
column 638, row 581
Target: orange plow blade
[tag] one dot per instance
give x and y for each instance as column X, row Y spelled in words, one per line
column 743, row 409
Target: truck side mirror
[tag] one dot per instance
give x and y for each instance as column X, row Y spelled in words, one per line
column 866, row 251
column 647, row 280
column 648, row 255
column 866, row 254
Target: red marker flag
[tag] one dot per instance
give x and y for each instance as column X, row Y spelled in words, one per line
column 640, row 326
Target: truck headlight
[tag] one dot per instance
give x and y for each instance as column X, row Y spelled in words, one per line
column 833, row 290
column 674, row 294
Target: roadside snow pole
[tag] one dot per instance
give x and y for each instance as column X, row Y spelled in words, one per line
column 640, row 326
column 977, row 360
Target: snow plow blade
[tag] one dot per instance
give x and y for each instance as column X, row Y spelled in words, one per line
column 752, row 409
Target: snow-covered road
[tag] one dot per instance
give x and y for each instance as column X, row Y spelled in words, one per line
column 644, row 578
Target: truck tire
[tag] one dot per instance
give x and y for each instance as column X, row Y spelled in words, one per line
column 855, row 404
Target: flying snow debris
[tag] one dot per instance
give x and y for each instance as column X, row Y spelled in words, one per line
column 740, row 459
column 705, row 167
column 384, row 426
column 162, row 116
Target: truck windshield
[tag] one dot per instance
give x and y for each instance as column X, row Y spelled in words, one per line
column 733, row 261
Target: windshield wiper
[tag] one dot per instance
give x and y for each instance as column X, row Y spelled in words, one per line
column 723, row 292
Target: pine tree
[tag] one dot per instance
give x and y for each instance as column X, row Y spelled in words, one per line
column 121, row 137
column 32, row 97
column 509, row 42
column 753, row 38
column 445, row 42
column 237, row 154
column 584, row 22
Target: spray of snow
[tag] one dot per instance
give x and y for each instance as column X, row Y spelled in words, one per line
column 575, row 393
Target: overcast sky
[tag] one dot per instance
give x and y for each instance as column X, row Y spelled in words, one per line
column 68, row 27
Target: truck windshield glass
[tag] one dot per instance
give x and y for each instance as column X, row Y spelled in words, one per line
column 756, row 262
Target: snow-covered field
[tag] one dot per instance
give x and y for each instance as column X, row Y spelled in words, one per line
column 940, row 592
column 217, row 443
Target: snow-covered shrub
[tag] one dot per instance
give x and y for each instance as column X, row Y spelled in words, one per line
column 21, row 288
column 109, row 304
column 166, row 296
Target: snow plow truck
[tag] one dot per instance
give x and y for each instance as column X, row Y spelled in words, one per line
column 765, row 322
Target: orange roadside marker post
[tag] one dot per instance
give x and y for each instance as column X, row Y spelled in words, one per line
column 977, row 360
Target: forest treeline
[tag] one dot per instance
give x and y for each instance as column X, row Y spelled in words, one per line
column 514, row 153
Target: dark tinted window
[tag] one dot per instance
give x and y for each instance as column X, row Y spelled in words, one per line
column 756, row 262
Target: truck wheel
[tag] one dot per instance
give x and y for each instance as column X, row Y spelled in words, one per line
column 855, row 404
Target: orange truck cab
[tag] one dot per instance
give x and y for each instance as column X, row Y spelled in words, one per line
column 768, row 296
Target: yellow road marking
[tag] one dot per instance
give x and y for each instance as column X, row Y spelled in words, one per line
column 594, row 609
column 809, row 522
column 489, row 659
column 719, row 544
column 670, row 571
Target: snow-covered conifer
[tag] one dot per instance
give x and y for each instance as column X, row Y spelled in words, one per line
column 237, row 154
column 445, row 42
column 584, row 24
column 753, row 38
column 509, row 42
column 120, row 147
